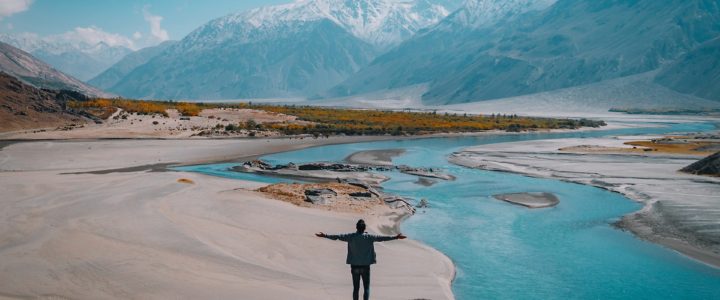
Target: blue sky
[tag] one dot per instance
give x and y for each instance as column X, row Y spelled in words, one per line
column 172, row 18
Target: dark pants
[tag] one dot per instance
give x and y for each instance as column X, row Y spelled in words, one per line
column 357, row 273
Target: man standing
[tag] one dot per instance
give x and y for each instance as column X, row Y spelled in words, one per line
column 361, row 254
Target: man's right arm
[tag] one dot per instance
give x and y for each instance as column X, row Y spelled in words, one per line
column 334, row 237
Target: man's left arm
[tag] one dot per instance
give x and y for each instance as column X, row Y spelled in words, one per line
column 381, row 238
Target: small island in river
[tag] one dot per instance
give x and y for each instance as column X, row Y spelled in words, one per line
column 530, row 200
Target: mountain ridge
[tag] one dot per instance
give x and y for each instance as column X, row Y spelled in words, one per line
column 567, row 44
column 33, row 71
column 289, row 50
column 78, row 59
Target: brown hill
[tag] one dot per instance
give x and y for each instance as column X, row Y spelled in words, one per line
column 706, row 166
column 23, row 106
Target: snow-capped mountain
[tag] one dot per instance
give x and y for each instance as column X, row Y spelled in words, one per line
column 29, row 69
column 80, row 59
column 381, row 23
column 525, row 51
column 290, row 50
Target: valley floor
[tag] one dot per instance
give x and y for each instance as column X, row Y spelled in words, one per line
column 134, row 233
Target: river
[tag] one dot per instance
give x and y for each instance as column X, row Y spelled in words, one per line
column 504, row 251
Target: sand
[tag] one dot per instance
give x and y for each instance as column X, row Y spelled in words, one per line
column 174, row 126
column 141, row 234
column 682, row 211
column 530, row 200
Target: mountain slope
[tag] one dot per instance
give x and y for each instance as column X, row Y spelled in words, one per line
column 24, row 107
column 80, row 60
column 25, row 67
column 291, row 65
column 696, row 73
column 570, row 43
column 291, row 50
column 122, row 68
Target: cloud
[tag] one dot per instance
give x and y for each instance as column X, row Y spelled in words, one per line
column 11, row 7
column 137, row 35
column 92, row 36
column 157, row 32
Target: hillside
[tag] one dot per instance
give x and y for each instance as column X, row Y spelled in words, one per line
column 27, row 68
column 23, row 106
column 81, row 60
column 696, row 73
column 122, row 68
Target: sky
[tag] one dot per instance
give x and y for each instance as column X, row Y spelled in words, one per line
column 131, row 23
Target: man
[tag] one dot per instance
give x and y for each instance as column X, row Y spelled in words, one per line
column 361, row 254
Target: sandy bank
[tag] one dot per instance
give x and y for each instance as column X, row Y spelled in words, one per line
column 530, row 200
column 145, row 235
column 681, row 211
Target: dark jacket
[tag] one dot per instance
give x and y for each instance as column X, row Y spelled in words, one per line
column 361, row 251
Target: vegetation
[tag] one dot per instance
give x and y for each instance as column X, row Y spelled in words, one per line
column 328, row 121
column 141, row 107
column 323, row 121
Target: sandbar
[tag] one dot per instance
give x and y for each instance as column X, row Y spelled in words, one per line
column 374, row 157
column 530, row 200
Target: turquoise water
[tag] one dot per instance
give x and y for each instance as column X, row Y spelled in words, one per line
column 509, row 252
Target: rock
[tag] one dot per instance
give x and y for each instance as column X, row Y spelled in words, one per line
column 425, row 181
column 320, row 192
column 425, row 172
column 706, row 166
column 423, row 203
column 361, row 194
column 319, row 196
column 399, row 203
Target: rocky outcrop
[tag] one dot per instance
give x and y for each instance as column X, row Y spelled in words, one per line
column 706, row 166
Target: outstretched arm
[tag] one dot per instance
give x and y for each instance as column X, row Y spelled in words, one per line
column 342, row 237
column 380, row 238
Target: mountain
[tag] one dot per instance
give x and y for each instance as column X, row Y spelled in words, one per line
column 23, row 106
column 696, row 73
column 27, row 68
column 492, row 49
column 79, row 59
column 290, row 50
column 122, row 68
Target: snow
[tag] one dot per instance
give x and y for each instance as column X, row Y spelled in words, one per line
column 382, row 23
column 479, row 13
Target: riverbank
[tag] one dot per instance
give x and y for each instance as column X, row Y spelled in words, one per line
column 680, row 212
column 124, row 232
